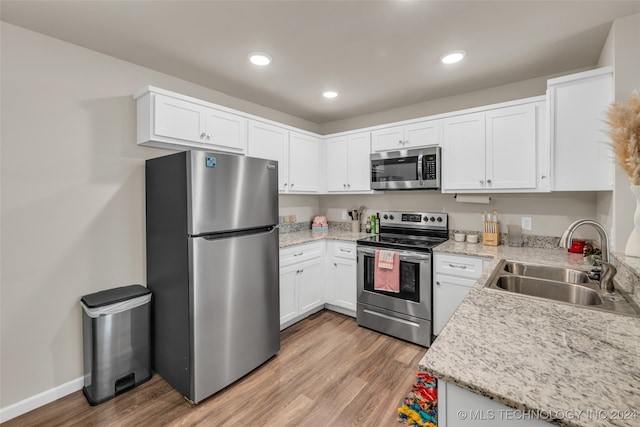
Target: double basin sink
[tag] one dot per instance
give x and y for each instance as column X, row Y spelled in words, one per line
column 565, row 285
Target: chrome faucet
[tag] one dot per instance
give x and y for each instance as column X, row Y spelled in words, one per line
column 608, row 270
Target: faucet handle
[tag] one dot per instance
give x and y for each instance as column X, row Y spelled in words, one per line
column 606, row 276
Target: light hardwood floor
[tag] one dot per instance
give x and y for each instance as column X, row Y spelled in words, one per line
column 329, row 372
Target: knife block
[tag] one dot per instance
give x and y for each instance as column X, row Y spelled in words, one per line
column 491, row 238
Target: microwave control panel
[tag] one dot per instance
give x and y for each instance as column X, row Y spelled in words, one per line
column 429, row 165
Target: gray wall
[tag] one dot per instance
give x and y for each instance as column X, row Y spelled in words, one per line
column 72, row 197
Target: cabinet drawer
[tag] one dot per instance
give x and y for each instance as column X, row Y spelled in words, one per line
column 299, row 253
column 457, row 265
column 344, row 250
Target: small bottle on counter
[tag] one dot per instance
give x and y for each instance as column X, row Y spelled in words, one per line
column 367, row 226
column 373, row 224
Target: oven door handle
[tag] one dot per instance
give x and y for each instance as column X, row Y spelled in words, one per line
column 404, row 255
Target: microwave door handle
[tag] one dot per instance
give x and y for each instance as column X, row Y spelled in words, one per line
column 420, row 177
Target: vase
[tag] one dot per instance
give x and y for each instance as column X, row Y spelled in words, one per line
column 633, row 243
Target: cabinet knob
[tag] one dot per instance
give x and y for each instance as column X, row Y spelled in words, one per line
column 438, row 283
column 348, row 185
column 488, row 181
column 400, row 142
column 202, row 135
column 292, row 185
column 482, row 181
column 285, row 184
column 344, row 185
column 543, row 177
column 335, row 264
column 208, row 136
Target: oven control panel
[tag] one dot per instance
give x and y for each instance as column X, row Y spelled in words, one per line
column 424, row 220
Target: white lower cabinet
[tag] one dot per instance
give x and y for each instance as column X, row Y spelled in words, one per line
column 302, row 281
column 458, row 407
column 342, row 276
column 454, row 276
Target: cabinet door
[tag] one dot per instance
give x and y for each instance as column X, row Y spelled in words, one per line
column 359, row 166
column 342, row 279
column 304, row 163
column 337, row 164
column 582, row 159
column 225, row 131
column 464, row 152
column 391, row 138
column 511, row 148
column 448, row 293
column 288, row 293
column 311, row 290
column 422, row 134
column 271, row 142
column 174, row 118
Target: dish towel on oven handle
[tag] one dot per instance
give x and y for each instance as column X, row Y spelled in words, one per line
column 385, row 278
column 385, row 259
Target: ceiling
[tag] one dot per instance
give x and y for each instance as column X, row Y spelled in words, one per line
column 378, row 54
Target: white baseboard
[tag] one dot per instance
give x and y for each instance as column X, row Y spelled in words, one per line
column 41, row 399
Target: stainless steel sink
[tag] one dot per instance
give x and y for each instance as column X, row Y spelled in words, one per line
column 564, row 285
column 547, row 272
column 557, row 291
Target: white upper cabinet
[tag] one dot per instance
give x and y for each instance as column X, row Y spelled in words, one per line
column 582, row 159
column 271, row 142
column 408, row 136
column 348, row 166
column 305, row 161
column 497, row 150
column 174, row 121
column 511, row 147
column 464, row 152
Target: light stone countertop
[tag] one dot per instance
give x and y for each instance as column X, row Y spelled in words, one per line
column 534, row 354
column 306, row 236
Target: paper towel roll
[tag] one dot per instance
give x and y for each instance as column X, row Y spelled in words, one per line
column 466, row 198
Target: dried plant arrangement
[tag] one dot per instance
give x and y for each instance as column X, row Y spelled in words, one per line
column 624, row 128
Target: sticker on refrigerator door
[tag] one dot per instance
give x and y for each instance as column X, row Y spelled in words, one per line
column 211, row 162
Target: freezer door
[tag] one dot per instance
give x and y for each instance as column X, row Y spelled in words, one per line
column 235, row 302
column 230, row 192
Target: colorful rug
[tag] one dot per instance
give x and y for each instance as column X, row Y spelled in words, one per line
column 420, row 407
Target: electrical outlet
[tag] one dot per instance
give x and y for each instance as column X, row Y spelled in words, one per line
column 344, row 215
column 526, row 223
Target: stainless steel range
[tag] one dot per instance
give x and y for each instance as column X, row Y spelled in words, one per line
column 402, row 306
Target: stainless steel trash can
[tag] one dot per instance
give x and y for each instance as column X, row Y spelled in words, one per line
column 116, row 341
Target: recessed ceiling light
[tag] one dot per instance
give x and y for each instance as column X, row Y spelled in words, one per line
column 330, row 94
column 260, row 58
column 452, row 57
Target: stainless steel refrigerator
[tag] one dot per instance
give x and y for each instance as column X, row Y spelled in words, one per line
column 213, row 268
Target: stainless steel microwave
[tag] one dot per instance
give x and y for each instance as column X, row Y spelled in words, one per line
column 417, row 169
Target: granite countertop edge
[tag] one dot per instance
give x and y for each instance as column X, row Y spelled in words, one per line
column 307, row 236
column 577, row 349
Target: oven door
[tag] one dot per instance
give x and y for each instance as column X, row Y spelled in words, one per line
column 414, row 298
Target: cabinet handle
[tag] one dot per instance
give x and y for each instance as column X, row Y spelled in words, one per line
column 345, row 250
column 344, row 185
column 488, row 181
column 438, row 283
column 544, row 177
column 482, row 181
column 208, row 136
column 298, row 254
column 400, row 142
column 285, row 184
column 462, row 267
column 335, row 264
column 292, row 185
column 349, row 185
column 202, row 135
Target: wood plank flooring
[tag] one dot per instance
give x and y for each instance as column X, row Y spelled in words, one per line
column 329, row 372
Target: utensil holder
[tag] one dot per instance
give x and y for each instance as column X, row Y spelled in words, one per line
column 490, row 233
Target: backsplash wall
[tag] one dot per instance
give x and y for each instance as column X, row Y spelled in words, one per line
column 551, row 213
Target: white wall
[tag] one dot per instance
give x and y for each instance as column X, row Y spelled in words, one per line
column 626, row 32
column 72, row 197
column 551, row 213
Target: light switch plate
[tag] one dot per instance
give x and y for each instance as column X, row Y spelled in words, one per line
column 526, row 223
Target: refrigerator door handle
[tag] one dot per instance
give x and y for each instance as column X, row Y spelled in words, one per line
column 238, row 233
